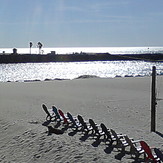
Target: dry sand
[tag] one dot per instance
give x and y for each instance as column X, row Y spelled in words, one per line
column 121, row 103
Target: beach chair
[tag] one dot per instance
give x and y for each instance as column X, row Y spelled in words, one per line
column 159, row 154
column 85, row 127
column 107, row 135
column 135, row 148
column 95, row 129
column 65, row 120
column 74, row 123
column 55, row 111
column 49, row 117
column 149, row 155
column 119, row 139
column 70, row 117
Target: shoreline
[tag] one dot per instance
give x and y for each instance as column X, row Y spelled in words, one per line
column 84, row 77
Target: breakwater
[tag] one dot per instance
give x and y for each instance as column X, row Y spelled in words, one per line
column 76, row 57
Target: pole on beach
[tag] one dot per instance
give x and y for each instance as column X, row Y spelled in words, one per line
column 153, row 100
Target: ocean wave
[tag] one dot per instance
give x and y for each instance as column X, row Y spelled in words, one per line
column 87, row 76
column 81, row 77
column 59, row 79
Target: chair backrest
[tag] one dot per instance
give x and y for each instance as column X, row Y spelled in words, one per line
column 159, row 153
column 63, row 116
column 104, row 128
column 61, row 113
column 147, row 150
column 92, row 123
column 55, row 110
column 45, row 109
column 71, row 118
column 114, row 134
column 81, row 120
column 132, row 146
column 48, row 117
column 128, row 140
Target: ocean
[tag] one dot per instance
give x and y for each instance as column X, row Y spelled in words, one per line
column 71, row 70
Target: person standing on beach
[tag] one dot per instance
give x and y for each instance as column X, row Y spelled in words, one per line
column 39, row 45
column 30, row 45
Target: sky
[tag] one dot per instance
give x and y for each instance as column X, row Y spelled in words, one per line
column 80, row 23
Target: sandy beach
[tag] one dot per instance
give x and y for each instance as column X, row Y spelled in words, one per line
column 122, row 104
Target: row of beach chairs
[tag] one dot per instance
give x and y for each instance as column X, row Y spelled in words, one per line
column 110, row 137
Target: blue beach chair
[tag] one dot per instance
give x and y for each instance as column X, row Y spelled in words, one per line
column 74, row 123
column 55, row 111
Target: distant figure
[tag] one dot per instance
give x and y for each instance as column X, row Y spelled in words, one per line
column 39, row 45
column 30, row 45
column 14, row 51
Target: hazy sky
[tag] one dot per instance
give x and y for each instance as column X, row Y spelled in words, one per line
column 60, row 23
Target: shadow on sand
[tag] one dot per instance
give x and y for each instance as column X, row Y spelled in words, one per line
column 159, row 133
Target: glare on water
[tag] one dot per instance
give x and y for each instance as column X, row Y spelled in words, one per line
column 71, row 70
